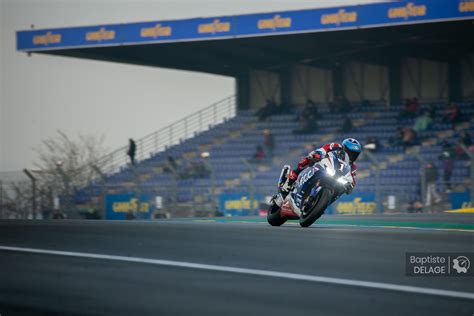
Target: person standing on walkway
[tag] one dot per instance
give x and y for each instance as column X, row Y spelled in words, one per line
column 431, row 175
column 132, row 148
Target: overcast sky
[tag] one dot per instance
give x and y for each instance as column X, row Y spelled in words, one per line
column 41, row 94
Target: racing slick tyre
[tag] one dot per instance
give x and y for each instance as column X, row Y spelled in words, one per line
column 273, row 215
column 315, row 208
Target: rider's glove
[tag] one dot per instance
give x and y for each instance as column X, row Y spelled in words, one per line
column 316, row 155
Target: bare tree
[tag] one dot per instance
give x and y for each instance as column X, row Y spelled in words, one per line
column 65, row 163
column 62, row 154
column 16, row 200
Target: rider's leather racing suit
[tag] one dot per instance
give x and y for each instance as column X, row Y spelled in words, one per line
column 315, row 156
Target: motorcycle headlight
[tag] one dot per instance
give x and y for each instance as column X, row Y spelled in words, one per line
column 331, row 172
column 342, row 180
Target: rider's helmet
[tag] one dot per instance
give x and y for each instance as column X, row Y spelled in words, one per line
column 352, row 147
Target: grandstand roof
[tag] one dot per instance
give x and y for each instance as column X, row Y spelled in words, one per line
column 227, row 44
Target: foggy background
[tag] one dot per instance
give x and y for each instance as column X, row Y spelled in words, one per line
column 40, row 94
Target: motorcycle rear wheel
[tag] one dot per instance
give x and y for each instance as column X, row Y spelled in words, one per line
column 273, row 215
column 317, row 208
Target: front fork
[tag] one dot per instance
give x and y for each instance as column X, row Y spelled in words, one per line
column 283, row 188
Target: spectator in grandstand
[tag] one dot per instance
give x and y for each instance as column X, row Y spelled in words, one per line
column 423, row 122
column 366, row 103
column 307, row 119
column 259, row 154
column 268, row 143
column 132, row 148
column 346, row 125
column 432, row 111
column 415, row 206
column 396, row 139
column 431, row 175
column 372, row 144
column 409, row 137
column 446, row 158
column 268, row 110
column 466, row 139
column 310, row 110
column 462, row 144
column 452, row 114
column 411, row 109
column 171, row 165
column 196, row 169
column 340, row 105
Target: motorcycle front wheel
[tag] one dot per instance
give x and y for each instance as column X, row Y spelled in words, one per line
column 273, row 215
column 316, row 207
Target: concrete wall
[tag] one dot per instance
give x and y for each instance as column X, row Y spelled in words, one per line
column 310, row 82
column 365, row 81
column 263, row 85
column 426, row 79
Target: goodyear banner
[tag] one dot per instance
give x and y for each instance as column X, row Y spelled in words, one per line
column 119, row 205
column 460, row 200
column 312, row 20
column 238, row 204
column 357, row 203
column 70, row 37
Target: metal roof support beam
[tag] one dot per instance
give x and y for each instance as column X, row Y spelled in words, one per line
column 395, row 80
column 285, row 86
column 454, row 80
column 338, row 80
column 242, row 83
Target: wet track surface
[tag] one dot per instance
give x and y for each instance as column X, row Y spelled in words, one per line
column 44, row 284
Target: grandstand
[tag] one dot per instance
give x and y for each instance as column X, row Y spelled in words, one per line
column 372, row 55
column 238, row 137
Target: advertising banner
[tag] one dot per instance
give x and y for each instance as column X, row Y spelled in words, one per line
column 119, row 205
column 311, row 20
column 70, row 37
column 460, row 200
column 238, row 204
column 357, row 203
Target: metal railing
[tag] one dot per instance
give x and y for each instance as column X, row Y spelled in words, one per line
column 170, row 135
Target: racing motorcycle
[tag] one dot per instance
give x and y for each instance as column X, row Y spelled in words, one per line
column 315, row 189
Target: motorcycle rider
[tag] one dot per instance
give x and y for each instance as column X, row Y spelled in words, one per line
column 349, row 145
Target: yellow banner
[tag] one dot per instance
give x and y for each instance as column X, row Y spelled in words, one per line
column 466, row 6
column 410, row 10
column 101, row 35
column 215, row 27
column 275, row 23
column 342, row 16
column 157, row 31
column 356, row 206
column 131, row 206
column 48, row 38
column 242, row 204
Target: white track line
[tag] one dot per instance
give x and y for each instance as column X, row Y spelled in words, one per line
column 275, row 274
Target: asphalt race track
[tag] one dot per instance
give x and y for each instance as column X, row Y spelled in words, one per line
column 246, row 267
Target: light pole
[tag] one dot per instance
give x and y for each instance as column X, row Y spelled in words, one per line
column 1, row 199
column 376, row 166
column 59, row 165
column 252, row 185
column 104, row 188
column 471, row 175
column 33, row 189
column 206, row 157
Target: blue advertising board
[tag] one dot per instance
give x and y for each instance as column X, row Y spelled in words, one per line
column 119, row 205
column 460, row 200
column 357, row 203
column 238, row 204
column 262, row 24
